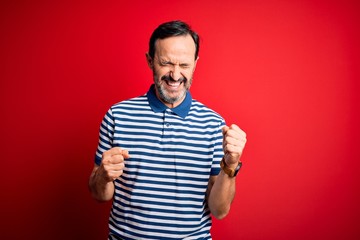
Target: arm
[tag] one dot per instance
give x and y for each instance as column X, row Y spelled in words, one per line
column 221, row 188
column 100, row 189
column 221, row 191
column 101, row 182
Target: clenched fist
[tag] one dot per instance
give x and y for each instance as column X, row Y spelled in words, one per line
column 234, row 140
column 112, row 164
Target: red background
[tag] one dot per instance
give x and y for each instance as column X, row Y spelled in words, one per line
column 287, row 72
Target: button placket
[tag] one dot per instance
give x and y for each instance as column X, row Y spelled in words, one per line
column 167, row 123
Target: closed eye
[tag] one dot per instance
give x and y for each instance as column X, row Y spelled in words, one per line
column 184, row 65
column 166, row 63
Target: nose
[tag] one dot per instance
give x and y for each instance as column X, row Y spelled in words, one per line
column 175, row 73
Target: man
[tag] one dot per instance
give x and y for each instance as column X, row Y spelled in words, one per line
column 165, row 159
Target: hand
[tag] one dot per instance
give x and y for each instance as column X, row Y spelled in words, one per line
column 112, row 164
column 234, row 140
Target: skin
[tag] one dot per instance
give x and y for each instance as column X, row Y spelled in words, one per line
column 173, row 67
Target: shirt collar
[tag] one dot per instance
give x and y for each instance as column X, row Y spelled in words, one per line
column 157, row 106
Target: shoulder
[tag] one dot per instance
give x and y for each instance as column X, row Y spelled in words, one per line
column 140, row 102
column 201, row 110
column 127, row 106
column 131, row 102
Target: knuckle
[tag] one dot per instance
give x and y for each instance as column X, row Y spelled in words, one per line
column 118, row 158
column 106, row 161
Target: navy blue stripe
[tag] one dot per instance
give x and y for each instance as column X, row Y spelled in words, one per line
column 174, row 143
column 171, row 163
column 166, row 176
column 173, row 153
column 170, row 154
column 103, row 142
column 197, row 169
column 146, row 135
column 165, row 171
column 145, row 114
column 160, row 126
column 165, row 183
column 108, row 115
column 171, row 189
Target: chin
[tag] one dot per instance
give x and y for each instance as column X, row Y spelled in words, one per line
column 173, row 98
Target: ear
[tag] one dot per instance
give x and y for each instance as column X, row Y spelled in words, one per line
column 149, row 61
column 196, row 60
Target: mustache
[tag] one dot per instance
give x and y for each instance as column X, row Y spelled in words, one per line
column 169, row 78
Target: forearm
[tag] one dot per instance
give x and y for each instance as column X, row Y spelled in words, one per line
column 100, row 189
column 221, row 195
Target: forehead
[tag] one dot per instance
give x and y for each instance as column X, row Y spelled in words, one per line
column 175, row 47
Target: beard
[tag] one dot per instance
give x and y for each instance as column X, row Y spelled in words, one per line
column 165, row 94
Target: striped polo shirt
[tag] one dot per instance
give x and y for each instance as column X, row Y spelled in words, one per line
column 173, row 152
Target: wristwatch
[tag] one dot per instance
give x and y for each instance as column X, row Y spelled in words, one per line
column 229, row 171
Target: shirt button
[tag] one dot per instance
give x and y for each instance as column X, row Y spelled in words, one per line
column 167, row 124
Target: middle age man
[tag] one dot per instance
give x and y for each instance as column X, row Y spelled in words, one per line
column 166, row 160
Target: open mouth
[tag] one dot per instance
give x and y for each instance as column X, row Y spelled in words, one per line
column 174, row 84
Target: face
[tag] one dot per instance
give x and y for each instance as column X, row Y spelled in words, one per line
column 173, row 67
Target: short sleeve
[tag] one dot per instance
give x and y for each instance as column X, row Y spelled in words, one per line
column 218, row 149
column 106, row 136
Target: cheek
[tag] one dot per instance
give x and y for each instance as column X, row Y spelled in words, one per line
column 159, row 72
column 188, row 74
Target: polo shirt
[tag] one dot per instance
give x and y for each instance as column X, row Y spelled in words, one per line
column 173, row 152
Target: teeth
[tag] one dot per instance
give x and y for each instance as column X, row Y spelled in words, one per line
column 174, row 84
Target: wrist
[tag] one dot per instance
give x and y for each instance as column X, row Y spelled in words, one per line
column 101, row 178
column 232, row 169
column 232, row 165
column 103, row 189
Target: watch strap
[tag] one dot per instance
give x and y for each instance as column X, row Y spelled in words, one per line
column 230, row 171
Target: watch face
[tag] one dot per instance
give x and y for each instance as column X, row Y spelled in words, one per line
column 238, row 168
